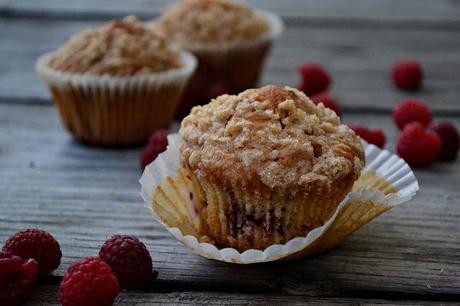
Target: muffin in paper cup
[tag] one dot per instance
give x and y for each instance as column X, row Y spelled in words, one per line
column 230, row 41
column 270, row 174
column 386, row 181
column 115, row 85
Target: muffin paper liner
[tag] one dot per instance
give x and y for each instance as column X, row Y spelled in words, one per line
column 116, row 110
column 385, row 182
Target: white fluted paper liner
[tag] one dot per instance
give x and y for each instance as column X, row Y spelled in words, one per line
column 387, row 166
column 62, row 79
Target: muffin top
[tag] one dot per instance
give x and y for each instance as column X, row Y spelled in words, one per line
column 270, row 138
column 120, row 48
column 215, row 22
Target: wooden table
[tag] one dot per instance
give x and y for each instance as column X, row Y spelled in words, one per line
column 84, row 195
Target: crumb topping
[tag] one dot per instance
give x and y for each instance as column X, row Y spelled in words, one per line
column 271, row 136
column 193, row 22
column 122, row 47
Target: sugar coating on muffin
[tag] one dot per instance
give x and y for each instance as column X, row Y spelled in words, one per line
column 215, row 22
column 120, row 48
column 270, row 138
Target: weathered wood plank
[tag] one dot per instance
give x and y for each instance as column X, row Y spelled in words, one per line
column 359, row 59
column 425, row 10
column 48, row 295
column 84, row 195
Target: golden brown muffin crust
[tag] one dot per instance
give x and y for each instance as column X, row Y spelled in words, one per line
column 120, row 48
column 272, row 138
column 192, row 22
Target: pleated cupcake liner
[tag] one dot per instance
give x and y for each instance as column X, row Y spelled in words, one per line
column 116, row 110
column 233, row 217
column 385, row 182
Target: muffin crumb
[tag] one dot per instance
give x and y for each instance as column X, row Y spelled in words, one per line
column 192, row 22
column 272, row 138
column 120, row 48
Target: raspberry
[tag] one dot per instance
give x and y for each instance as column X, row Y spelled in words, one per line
column 328, row 101
column 410, row 111
column 450, row 140
column 36, row 244
column 315, row 79
column 407, row 75
column 157, row 144
column 417, row 145
column 375, row 137
column 216, row 91
column 89, row 282
column 129, row 259
column 17, row 278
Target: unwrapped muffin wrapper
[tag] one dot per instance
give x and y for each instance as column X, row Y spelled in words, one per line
column 116, row 110
column 385, row 182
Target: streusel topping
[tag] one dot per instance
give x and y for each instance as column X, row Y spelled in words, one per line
column 271, row 136
column 192, row 22
column 123, row 47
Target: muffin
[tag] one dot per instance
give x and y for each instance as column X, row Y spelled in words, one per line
column 266, row 165
column 116, row 84
column 230, row 40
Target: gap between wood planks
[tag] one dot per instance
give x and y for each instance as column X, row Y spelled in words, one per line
column 50, row 295
column 317, row 21
column 174, row 286
column 359, row 109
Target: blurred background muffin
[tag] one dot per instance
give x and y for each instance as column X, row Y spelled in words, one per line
column 230, row 40
column 267, row 165
column 116, row 84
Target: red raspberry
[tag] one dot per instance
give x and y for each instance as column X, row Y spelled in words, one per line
column 89, row 282
column 375, row 137
column 417, row 145
column 129, row 259
column 17, row 278
column 408, row 75
column 216, row 91
column 410, row 111
column 315, row 79
column 36, row 244
column 450, row 140
column 328, row 101
column 156, row 145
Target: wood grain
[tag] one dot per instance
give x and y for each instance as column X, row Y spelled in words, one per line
column 392, row 10
column 84, row 195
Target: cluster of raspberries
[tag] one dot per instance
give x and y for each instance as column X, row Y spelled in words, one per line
column 123, row 262
column 25, row 258
column 421, row 141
